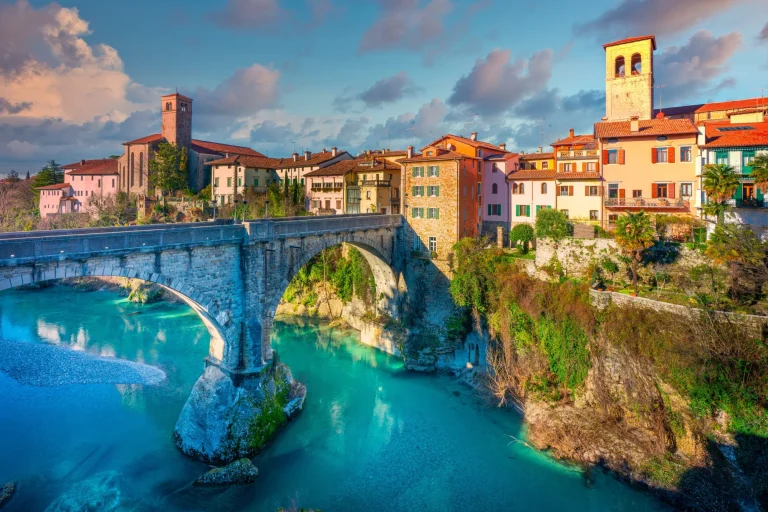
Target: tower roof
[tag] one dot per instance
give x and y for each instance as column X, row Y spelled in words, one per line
column 177, row 95
column 631, row 40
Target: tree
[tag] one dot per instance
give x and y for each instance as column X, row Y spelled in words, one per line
column 634, row 234
column 720, row 182
column 521, row 234
column 552, row 224
column 48, row 175
column 13, row 176
column 760, row 172
column 166, row 171
column 738, row 247
column 27, row 174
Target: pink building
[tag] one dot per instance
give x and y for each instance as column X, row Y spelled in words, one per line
column 495, row 192
column 82, row 181
column 325, row 187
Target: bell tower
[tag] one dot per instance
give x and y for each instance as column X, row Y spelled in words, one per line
column 629, row 78
column 177, row 119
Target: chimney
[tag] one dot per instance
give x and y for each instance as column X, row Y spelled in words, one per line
column 334, row 151
column 541, row 150
column 82, row 162
column 473, row 136
column 295, row 157
column 325, row 150
column 307, row 155
column 503, row 146
column 570, row 133
column 410, row 151
column 634, row 124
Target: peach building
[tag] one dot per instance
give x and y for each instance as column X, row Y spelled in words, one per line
column 325, row 188
column 578, row 186
column 82, row 181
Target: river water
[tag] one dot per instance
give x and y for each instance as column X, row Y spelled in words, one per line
column 372, row 436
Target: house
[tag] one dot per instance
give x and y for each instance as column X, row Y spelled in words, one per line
column 646, row 163
column 325, row 189
column 443, row 189
column 496, row 190
column 83, row 180
column 531, row 190
column 376, row 182
column 176, row 128
column 295, row 168
column 230, row 176
column 578, row 185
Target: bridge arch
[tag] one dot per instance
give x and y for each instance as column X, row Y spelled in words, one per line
column 212, row 317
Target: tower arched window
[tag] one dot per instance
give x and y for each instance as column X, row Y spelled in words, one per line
column 494, row 189
column 168, row 105
column 183, row 107
column 637, row 64
column 620, row 67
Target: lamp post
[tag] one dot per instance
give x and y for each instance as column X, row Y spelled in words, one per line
column 266, row 209
column 213, row 205
column 245, row 208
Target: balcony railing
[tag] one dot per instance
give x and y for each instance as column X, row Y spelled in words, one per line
column 395, row 200
column 578, row 153
column 375, row 183
column 640, row 202
column 747, row 203
column 327, row 187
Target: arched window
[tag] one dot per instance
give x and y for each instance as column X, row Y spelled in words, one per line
column 522, row 188
column 620, row 67
column 132, row 169
column 543, row 188
column 183, row 107
column 494, row 189
column 141, row 168
column 515, row 188
column 168, row 105
column 637, row 64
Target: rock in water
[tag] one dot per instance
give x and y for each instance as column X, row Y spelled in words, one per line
column 100, row 492
column 239, row 472
column 222, row 422
column 6, row 493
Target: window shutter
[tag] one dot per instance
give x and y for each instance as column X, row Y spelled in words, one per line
column 654, row 157
column 570, row 190
column 527, row 210
column 671, row 155
column 437, row 190
column 586, row 190
column 413, row 191
column 583, row 166
column 538, row 207
column 489, row 209
column 517, row 210
column 562, row 167
column 654, row 191
column 671, row 190
column 605, row 156
column 437, row 213
column 622, row 193
column 413, row 172
column 622, row 157
column 437, row 171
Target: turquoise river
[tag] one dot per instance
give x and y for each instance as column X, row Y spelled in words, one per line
column 371, row 437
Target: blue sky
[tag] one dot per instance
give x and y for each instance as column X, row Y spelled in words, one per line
column 78, row 78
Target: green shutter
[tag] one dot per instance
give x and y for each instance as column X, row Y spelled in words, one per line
column 489, row 209
column 437, row 190
column 413, row 191
column 538, row 207
column 517, row 210
column 437, row 213
column 413, row 172
column 437, row 171
column 528, row 211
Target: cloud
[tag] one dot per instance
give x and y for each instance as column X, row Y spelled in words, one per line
column 496, row 84
column 409, row 128
column 406, row 24
column 689, row 71
column 245, row 93
column 660, row 17
column 320, row 10
column 764, row 33
column 388, row 90
column 249, row 14
column 7, row 107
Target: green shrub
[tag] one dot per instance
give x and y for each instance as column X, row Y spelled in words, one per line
column 521, row 235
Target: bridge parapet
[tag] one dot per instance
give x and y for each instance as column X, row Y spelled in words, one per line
column 271, row 229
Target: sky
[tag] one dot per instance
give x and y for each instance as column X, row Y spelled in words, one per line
column 79, row 78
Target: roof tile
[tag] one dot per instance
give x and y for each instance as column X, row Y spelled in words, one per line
column 648, row 128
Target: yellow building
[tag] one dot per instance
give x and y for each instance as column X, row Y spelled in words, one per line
column 629, row 78
column 537, row 161
column 373, row 186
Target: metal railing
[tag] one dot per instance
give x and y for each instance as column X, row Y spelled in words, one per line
column 640, row 202
column 747, row 202
column 375, row 183
column 578, row 153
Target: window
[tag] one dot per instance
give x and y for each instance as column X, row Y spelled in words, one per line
column 239, row 182
column 417, row 213
column 661, row 189
column 613, row 190
column 661, row 155
column 433, row 171
column 686, row 189
column 686, row 154
column 433, row 191
column 479, row 153
column 591, row 190
column 255, row 182
column 533, row 166
column 612, row 218
column 568, row 167
column 417, row 191
column 566, row 190
column 747, row 157
column 515, row 188
column 433, row 213
column 593, row 214
column 416, row 243
column 721, row 158
column 479, row 189
column 637, row 64
column 545, row 164
column 619, row 67
column 183, row 107
column 338, row 204
column 494, row 209
column 495, row 168
column 433, row 244
column 229, row 182
column 591, row 167
column 367, row 194
column 567, row 214
column 522, row 188
column 637, row 194
column 315, row 204
column 613, row 156
column 543, row 188
column 417, row 172
column 168, row 105
column 494, row 189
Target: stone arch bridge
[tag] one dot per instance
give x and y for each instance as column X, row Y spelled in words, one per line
column 232, row 275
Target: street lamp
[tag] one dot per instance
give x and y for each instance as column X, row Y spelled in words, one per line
column 213, row 205
column 266, row 209
column 245, row 208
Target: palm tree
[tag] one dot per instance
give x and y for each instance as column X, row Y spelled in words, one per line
column 760, row 172
column 634, row 234
column 720, row 182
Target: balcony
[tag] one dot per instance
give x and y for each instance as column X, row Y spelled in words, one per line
column 327, row 187
column 394, row 200
column 376, row 183
column 643, row 203
column 747, row 203
column 578, row 154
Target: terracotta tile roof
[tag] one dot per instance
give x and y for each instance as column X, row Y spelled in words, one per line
column 649, row 128
column 537, row 156
column 532, row 174
column 175, row 94
column 470, row 142
column 203, row 146
column 734, row 105
column 503, row 156
column 146, row 140
column 102, row 167
column 575, row 140
column 577, row 176
column 677, row 111
column 757, row 136
column 442, row 154
column 337, row 169
column 632, row 40
column 314, row 159
column 253, row 162
column 58, row 186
